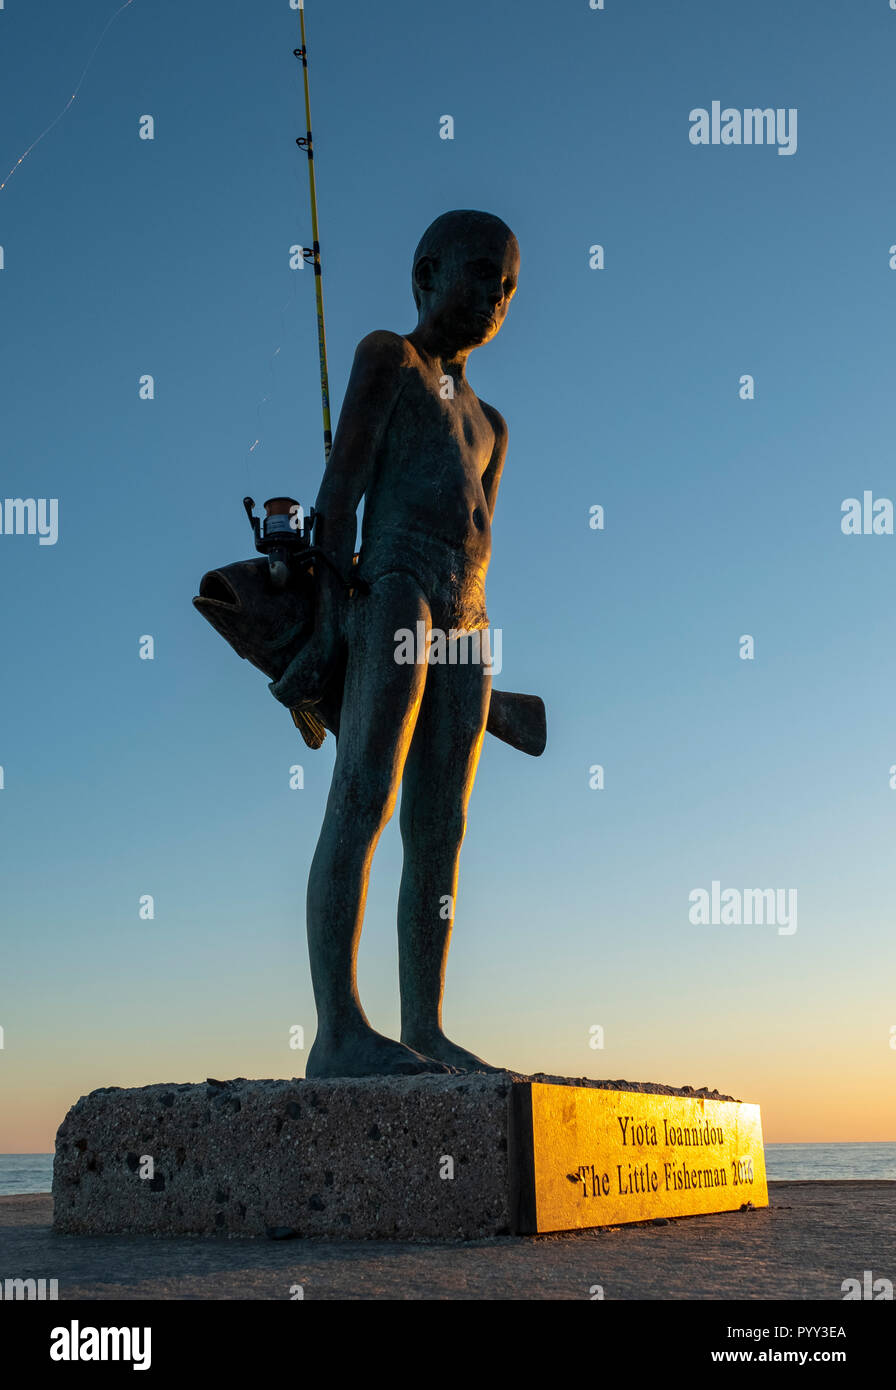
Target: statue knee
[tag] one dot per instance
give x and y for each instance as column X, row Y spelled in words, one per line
column 369, row 805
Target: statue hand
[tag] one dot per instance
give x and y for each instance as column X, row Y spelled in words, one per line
column 303, row 682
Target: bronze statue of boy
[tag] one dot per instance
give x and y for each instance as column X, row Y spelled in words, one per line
column 426, row 454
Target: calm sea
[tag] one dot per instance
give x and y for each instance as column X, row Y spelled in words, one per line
column 34, row 1172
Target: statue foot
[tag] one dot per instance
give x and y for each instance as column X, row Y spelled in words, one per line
column 368, row 1053
column 437, row 1045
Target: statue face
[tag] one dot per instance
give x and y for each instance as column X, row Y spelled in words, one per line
column 468, row 290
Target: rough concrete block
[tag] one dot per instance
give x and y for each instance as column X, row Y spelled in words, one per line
column 401, row 1158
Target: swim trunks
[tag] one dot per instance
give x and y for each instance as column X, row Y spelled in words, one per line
column 453, row 584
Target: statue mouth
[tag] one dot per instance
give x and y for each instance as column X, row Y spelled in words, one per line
column 214, row 588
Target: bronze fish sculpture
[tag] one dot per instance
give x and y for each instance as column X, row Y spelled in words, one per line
column 267, row 626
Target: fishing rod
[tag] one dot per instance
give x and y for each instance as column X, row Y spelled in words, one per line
column 284, row 533
column 313, row 255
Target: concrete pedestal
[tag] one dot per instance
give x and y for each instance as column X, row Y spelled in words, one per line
column 381, row 1158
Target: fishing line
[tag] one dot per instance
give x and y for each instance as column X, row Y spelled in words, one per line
column 65, row 108
column 290, row 300
column 312, row 254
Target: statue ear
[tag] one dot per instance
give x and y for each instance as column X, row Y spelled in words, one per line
column 425, row 272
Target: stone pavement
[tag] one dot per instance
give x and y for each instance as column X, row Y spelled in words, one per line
column 812, row 1237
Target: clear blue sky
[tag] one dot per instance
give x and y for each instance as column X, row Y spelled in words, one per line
column 620, row 387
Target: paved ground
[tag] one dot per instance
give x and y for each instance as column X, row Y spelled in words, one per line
column 812, row 1237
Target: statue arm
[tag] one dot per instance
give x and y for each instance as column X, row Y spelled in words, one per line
column 492, row 475
column 369, row 397
column 371, row 393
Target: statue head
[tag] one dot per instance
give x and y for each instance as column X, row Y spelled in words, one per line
column 464, row 274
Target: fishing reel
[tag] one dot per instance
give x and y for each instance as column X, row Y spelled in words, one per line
column 283, row 535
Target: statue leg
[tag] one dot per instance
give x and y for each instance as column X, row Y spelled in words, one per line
column 380, row 707
column 438, row 779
